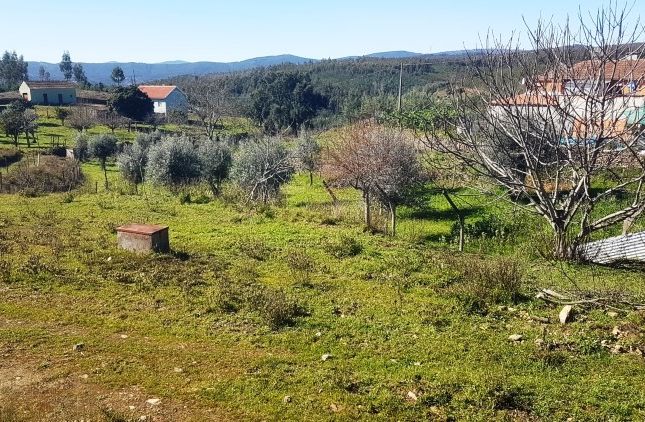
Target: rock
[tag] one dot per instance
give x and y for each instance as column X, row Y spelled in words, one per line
column 539, row 342
column 617, row 349
column 417, row 363
column 565, row 314
column 412, row 395
column 178, row 370
column 79, row 347
column 124, row 336
column 286, row 399
column 153, row 402
column 85, row 376
column 325, row 357
column 515, row 337
column 318, row 334
column 334, row 408
column 612, row 314
column 615, row 331
column 131, row 407
column 144, row 418
column 109, row 259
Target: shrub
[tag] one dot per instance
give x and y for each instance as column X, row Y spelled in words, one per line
column 301, row 265
column 344, row 247
column 173, row 162
column 242, row 291
column 9, row 156
column 57, row 151
column 81, row 149
column 483, row 282
column 53, row 174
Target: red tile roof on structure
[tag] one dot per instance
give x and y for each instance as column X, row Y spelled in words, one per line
column 622, row 70
column 531, row 98
column 157, row 92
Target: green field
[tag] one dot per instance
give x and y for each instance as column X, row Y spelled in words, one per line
column 406, row 338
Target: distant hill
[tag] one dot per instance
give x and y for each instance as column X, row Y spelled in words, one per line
column 143, row 72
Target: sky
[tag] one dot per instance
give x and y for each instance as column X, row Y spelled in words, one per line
column 212, row 30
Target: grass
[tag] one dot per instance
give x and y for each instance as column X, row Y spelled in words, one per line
column 403, row 345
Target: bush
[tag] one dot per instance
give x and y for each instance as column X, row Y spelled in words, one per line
column 81, row 149
column 301, row 266
column 57, row 151
column 344, row 247
column 241, row 290
column 102, row 147
column 481, row 283
column 9, row 156
column 53, row 174
column 173, row 162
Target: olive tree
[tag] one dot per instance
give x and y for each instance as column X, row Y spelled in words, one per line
column 261, row 167
column 307, row 155
column 173, row 162
column 103, row 147
column 215, row 163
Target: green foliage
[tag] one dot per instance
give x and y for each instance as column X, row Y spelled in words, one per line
column 132, row 162
column 81, row 146
column 344, row 246
column 13, row 70
column 307, row 154
column 102, row 147
column 241, row 290
column 261, row 167
column 173, row 162
column 66, row 67
column 485, row 282
column 117, row 75
column 132, row 103
column 62, row 113
column 79, row 74
column 285, row 102
column 215, row 162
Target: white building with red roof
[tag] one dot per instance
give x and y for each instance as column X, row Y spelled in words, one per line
column 166, row 98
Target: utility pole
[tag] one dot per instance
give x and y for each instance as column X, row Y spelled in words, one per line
column 400, row 86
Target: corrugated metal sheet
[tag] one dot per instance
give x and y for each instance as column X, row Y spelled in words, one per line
column 630, row 247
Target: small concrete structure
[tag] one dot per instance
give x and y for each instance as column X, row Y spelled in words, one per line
column 143, row 238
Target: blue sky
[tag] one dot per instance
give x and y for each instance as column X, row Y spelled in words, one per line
column 192, row 30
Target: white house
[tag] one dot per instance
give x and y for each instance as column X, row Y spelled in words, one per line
column 166, row 98
column 48, row 92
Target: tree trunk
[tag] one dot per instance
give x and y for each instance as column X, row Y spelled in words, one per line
column 561, row 247
column 368, row 211
column 105, row 175
column 392, row 219
column 311, row 178
column 331, row 193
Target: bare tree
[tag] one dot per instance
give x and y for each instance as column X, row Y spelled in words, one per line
column 210, row 100
column 568, row 138
column 82, row 118
column 113, row 120
column 379, row 161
